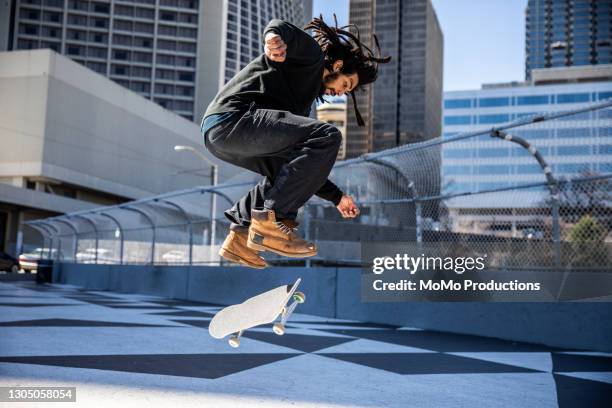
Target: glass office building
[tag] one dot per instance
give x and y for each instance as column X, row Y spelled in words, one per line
column 572, row 146
column 563, row 33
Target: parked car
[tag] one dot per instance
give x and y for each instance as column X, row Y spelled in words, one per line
column 175, row 256
column 8, row 263
column 29, row 261
column 89, row 256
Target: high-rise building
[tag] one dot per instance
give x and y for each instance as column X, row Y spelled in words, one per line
column 173, row 52
column 335, row 114
column 404, row 105
column 562, row 33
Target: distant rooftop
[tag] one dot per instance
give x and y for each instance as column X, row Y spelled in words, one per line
column 560, row 75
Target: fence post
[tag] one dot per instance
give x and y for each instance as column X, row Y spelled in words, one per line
column 213, row 221
column 551, row 182
column 418, row 221
column 556, row 233
column 307, row 229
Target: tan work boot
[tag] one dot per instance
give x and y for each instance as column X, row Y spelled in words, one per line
column 265, row 233
column 235, row 249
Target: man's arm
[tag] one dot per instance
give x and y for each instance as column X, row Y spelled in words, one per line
column 330, row 192
column 301, row 47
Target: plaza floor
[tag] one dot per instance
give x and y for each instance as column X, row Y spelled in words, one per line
column 140, row 350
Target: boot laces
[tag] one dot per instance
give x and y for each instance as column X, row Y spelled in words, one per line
column 287, row 226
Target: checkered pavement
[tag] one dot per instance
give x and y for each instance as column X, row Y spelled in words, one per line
column 132, row 347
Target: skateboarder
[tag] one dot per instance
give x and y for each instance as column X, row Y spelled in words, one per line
column 259, row 121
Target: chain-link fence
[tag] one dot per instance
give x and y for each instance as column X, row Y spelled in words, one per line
column 542, row 183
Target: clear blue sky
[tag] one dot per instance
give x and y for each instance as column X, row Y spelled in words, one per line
column 484, row 40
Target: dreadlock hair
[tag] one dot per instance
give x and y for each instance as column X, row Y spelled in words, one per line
column 338, row 43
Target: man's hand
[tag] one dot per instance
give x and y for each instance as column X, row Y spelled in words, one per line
column 275, row 47
column 347, row 207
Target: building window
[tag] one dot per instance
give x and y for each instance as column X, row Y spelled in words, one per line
column 488, row 119
column 186, row 76
column 100, row 8
column 532, row 100
column 75, row 50
column 488, row 102
column 604, row 95
column 564, row 133
column 96, row 52
column 52, row 17
column 573, row 150
column 457, row 103
column 141, row 72
column 121, row 70
column 164, row 59
column 493, row 152
column 571, row 168
column 457, row 120
column 167, row 16
column 184, row 91
column 28, row 29
column 456, row 170
column 121, row 55
column 605, row 149
column 100, row 23
column 573, row 98
column 97, row 66
column 53, row 3
column 457, row 153
column 528, row 169
column 124, row 10
column 98, row 38
column 493, row 169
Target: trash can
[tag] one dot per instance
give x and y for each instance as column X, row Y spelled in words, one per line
column 44, row 271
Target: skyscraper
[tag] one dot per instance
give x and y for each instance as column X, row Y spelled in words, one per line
column 404, row 105
column 563, row 33
column 173, row 52
column 245, row 23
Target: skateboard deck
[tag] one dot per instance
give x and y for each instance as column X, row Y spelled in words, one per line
column 261, row 309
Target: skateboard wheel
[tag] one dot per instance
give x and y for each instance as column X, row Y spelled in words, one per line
column 278, row 328
column 299, row 297
column 234, row 341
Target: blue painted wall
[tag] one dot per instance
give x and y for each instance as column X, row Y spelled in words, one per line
column 336, row 292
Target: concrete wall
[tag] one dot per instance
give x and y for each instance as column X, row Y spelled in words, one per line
column 336, row 292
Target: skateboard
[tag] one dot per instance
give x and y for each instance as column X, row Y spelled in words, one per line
column 261, row 309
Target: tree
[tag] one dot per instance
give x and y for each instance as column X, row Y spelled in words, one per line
column 587, row 243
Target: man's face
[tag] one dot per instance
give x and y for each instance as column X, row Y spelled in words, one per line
column 338, row 84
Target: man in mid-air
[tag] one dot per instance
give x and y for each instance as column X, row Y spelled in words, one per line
column 259, row 121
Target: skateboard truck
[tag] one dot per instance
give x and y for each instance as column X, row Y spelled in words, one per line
column 279, row 327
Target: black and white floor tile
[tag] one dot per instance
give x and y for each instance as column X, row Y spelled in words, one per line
column 132, row 349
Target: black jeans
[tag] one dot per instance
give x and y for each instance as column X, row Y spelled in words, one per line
column 295, row 154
